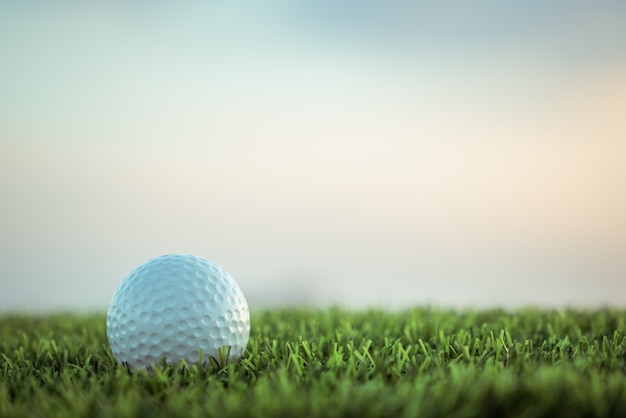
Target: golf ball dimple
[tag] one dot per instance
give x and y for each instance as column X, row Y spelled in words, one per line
column 173, row 307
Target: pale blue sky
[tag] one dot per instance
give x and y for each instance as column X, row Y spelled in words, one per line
column 363, row 153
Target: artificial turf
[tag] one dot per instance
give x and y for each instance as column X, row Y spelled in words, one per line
column 310, row 363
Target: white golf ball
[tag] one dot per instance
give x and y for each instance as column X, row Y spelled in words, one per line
column 176, row 307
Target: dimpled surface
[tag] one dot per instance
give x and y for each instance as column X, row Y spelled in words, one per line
column 175, row 307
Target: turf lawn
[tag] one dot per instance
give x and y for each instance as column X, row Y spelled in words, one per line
column 309, row 363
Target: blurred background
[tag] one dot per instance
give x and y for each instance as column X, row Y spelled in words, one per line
column 361, row 153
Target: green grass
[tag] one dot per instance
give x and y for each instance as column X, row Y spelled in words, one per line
column 309, row 363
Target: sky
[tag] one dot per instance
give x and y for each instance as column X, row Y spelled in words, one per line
column 356, row 153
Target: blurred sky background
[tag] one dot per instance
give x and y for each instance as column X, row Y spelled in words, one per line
column 361, row 153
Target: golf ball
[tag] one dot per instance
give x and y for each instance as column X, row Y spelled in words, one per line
column 176, row 307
